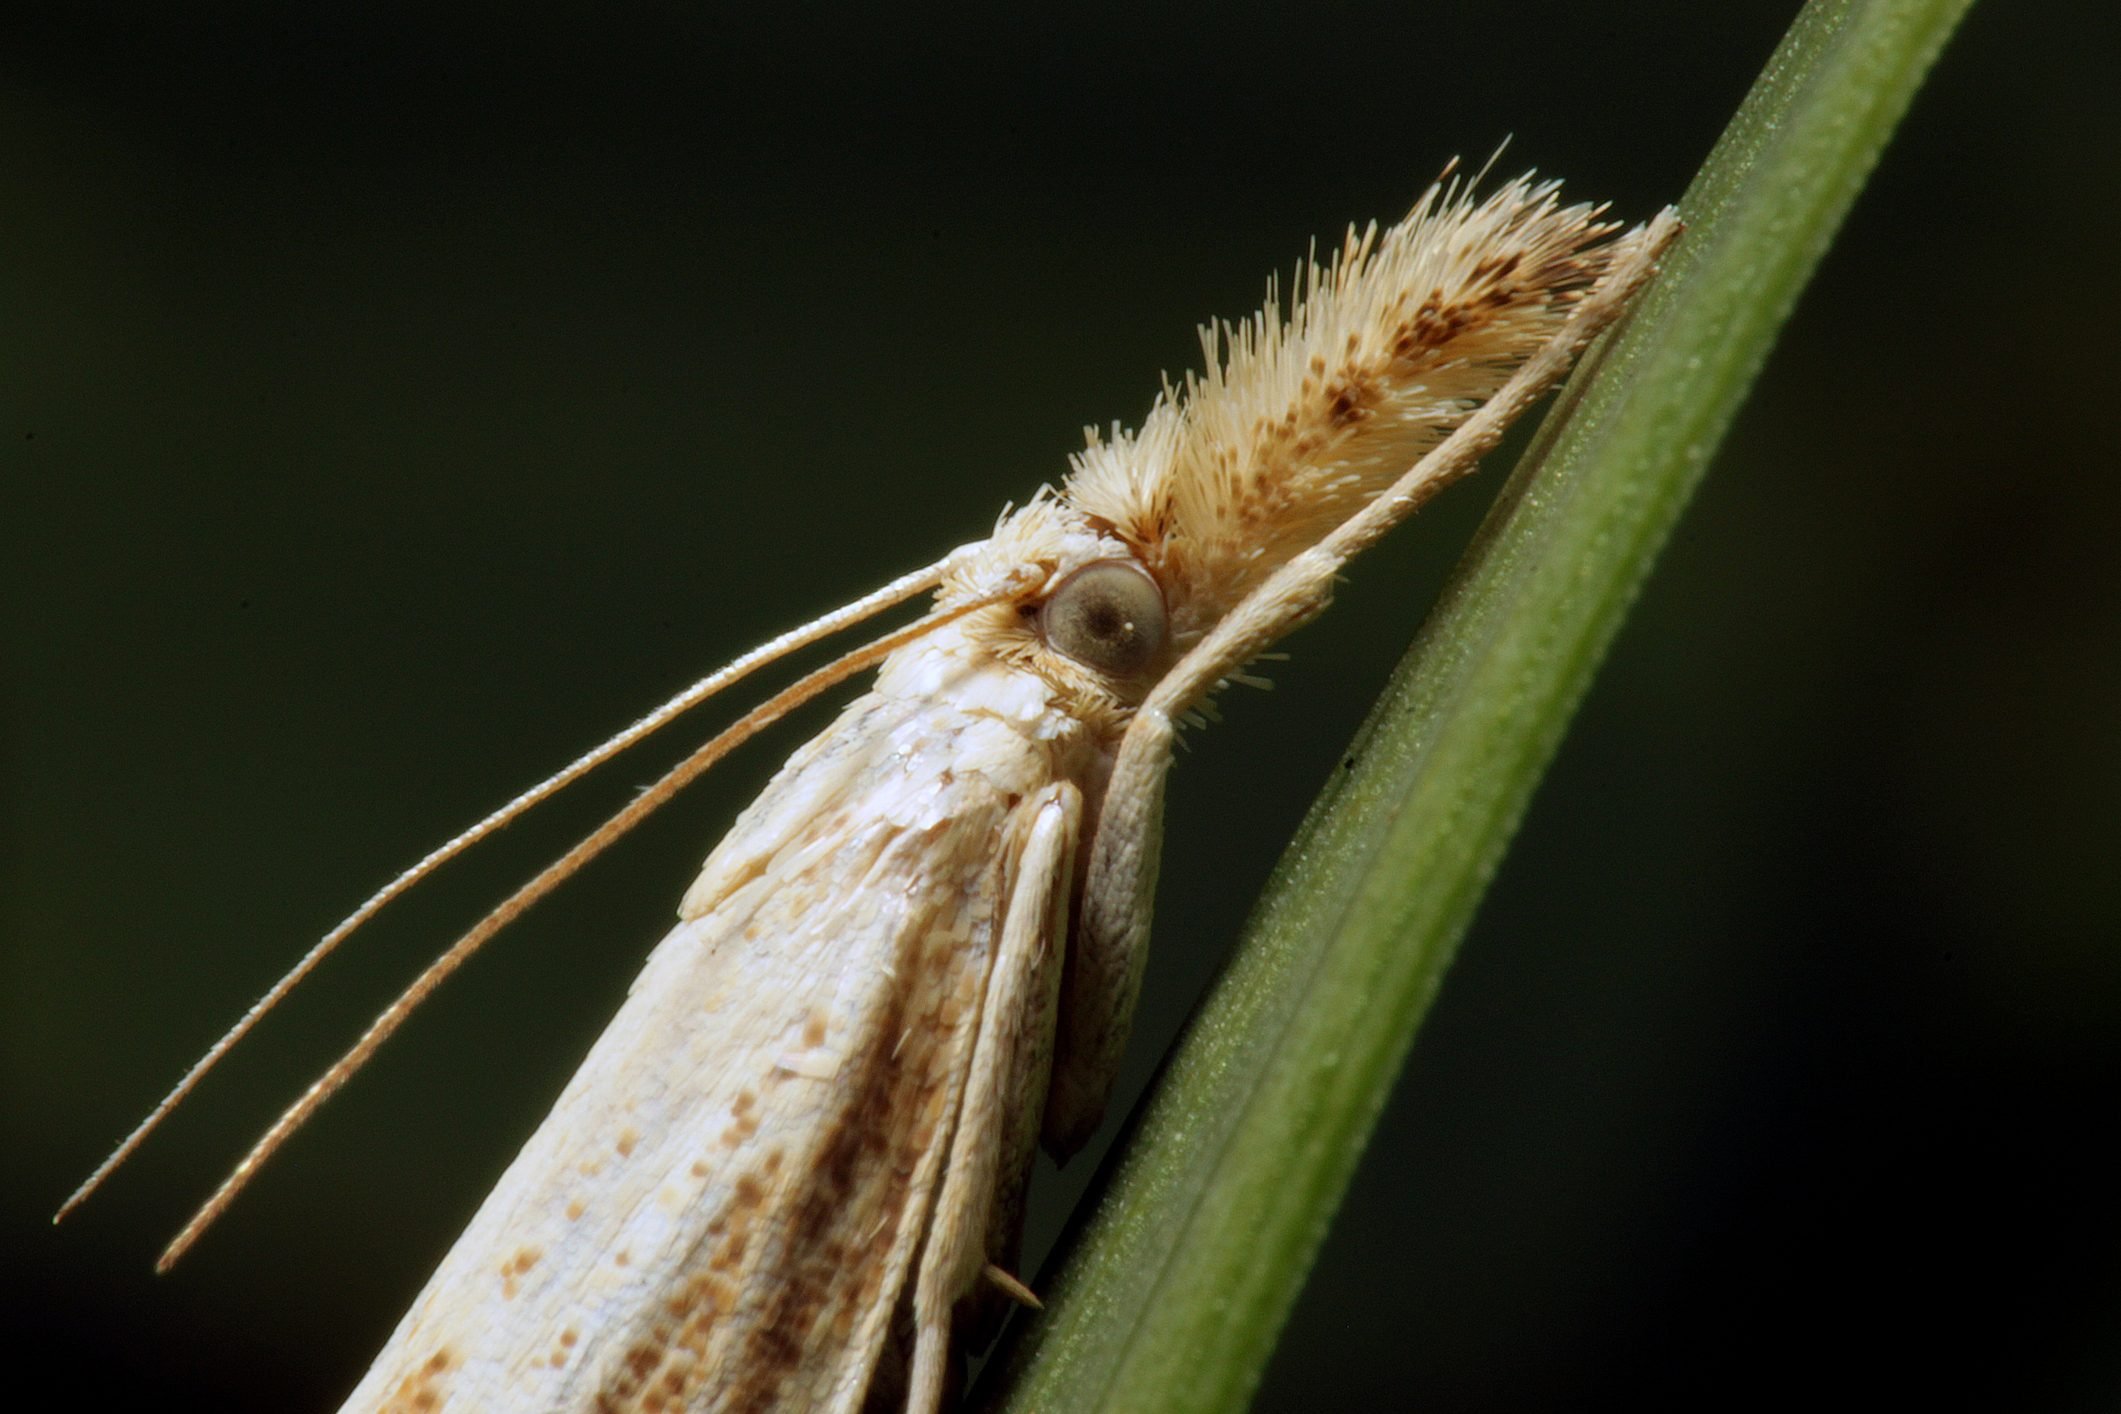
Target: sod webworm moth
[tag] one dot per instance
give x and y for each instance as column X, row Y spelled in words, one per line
column 790, row 1174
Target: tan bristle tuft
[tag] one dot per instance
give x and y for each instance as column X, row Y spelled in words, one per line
column 1303, row 415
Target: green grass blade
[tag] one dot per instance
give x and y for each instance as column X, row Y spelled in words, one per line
column 1180, row 1279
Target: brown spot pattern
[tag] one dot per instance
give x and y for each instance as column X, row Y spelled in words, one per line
column 422, row 1391
column 807, row 1265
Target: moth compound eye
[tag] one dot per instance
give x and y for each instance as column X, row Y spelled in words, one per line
column 1108, row 615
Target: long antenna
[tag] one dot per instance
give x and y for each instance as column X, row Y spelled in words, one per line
column 543, row 883
column 896, row 592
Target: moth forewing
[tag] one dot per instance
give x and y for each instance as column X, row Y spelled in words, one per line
column 730, row 1198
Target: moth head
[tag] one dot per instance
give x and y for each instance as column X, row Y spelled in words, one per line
column 1097, row 630
column 1080, row 609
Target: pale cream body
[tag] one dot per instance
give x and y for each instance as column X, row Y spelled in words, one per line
column 733, row 1194
column 777, row 1178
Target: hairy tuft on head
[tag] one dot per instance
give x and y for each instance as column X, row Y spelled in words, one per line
column 1305, row 414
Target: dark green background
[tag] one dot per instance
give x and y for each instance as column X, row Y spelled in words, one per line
column 397, row 401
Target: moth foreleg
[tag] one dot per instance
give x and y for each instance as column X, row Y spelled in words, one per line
column 1111, row 941
column 1002, row 1095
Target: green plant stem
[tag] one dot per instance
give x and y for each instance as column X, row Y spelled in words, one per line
column 1199, row 1238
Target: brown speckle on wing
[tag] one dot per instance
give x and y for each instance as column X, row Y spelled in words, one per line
column 423, row 1391
column 725, row 1207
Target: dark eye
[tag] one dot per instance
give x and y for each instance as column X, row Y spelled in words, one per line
column 1108, row 615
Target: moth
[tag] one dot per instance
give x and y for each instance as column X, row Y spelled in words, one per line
column 791, row 1172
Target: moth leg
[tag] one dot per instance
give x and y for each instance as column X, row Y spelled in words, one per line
column 1111, row 943
column 991, row 1147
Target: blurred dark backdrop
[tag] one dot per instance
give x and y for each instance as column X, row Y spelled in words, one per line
column 400, row 397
